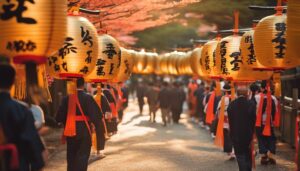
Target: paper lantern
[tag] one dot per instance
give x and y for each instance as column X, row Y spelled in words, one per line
column 270, row 43
column 32, row 30
column 126, row 66
column 293, row 32
column 250, row 61
column 158, row 70
column 195, row 61
column 151, row 60
column 164, row 63
column 228, row 57
column 78, row 56
column 108, row 61
column 140, row 62
column 172, row 63
column 208, row 59
column 187, row 64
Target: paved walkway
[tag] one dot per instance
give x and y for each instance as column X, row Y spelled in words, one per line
column 144, row 146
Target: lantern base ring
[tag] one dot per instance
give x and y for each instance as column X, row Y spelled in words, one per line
column 22, row 59
column 99, row 80
column 70, row 75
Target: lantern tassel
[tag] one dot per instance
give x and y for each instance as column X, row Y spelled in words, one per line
column 219, row 141
column 210, row 108
column 70, row 128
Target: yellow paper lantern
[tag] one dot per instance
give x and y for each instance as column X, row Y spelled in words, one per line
column 195, row 61
column 158, row 70
column 31, row 31
column 270, row 43
column 293, row 32
column 250, row 61
column 228, row 57
column 187, row 66
column 208, row 59
column 164, row 63
column 108, row 61
column 140, row 62
column 172, row 63
column 126, row 66
column 78, row 56
column 150, row 66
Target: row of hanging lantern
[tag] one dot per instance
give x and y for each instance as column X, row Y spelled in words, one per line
column 258, row 54
column 65, row 46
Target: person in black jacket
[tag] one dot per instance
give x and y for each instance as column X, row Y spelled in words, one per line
column 164, row 103
column 79, row 145
column 177, row 98
column 241, row 117
column 17, row 129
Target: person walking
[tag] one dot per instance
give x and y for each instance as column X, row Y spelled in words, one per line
column 265, row 112
column 152, row 98
column 19, row 138
column 140, row 93
column 164, row 103
column 199, row 94
column 78, row 128
column 177, row 98
column 222, row 135
column 241, row 117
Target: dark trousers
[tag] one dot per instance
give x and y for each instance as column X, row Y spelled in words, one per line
column 228, row 146
column 200, row 113
column 244, row 161
column 141, row 106
column 214, row 125
column 176, row 115
column 78, row 152
column 120, row 115
column 266, row 143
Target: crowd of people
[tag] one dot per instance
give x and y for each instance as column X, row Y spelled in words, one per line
column 236, row 117
column 89, row 116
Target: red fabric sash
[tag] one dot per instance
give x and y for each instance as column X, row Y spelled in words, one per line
column 14, row 162
column 70, row 128
column 210, row 108
column 259, row 111
column 219, row 140
column 277, row 115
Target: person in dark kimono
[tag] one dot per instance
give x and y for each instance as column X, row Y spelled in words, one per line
column 87, row 114
column 111, row 122
column 177, row 98
column 152, row 98
column 266, row 142
column 241, row 117
column 140, row 93
column 164, row 103
column 199, row 94
column 19, row 139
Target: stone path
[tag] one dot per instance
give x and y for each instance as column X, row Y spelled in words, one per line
column 144, row 146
